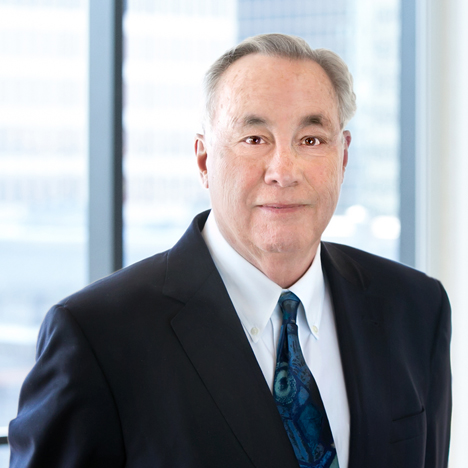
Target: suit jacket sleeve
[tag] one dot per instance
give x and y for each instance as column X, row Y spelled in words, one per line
column 67, row 416
column 439, row 402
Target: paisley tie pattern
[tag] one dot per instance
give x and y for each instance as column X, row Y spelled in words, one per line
column 298, row 398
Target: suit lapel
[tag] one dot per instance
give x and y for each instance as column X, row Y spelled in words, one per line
column 364, row 349
column 212, row 336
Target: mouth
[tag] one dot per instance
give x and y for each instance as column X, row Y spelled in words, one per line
column 282, row 207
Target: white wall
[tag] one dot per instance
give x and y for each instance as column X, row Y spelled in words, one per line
column 445, row 188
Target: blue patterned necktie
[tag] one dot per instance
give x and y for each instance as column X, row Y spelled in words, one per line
column 298, row 398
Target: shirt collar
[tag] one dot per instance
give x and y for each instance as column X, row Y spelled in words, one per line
column 253, row 294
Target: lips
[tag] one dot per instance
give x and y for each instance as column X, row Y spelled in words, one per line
column 282, row 208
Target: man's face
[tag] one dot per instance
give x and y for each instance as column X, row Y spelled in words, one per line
column 274, row 156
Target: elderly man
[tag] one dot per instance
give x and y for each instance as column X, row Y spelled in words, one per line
column 250, row 343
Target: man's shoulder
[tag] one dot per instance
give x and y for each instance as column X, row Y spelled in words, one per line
column 379, row 273
column 133, row 287
column 145, row 287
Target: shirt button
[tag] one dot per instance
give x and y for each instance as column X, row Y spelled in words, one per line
column 254, row 331
column 315, row 329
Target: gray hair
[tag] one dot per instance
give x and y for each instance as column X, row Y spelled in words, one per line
column 292, row 47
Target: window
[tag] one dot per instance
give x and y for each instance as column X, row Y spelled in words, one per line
column 170, row 46
column 43, row 175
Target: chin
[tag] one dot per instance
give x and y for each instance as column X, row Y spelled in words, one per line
column 284, row 244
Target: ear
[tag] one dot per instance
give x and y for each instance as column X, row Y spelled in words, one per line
column 346, row 143
column 200, row 152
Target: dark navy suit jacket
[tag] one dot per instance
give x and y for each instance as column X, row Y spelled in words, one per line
column 150, row 367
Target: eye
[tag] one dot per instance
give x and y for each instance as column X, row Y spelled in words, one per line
column 311, row 141
column 253, row 140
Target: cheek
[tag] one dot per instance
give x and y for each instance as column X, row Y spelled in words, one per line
column 235, row 176
column 336, row 175
column 227, row 181
column 239, row 187
column 334, row 181
column 326, row 179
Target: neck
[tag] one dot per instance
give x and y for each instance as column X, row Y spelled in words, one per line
column 284, row 269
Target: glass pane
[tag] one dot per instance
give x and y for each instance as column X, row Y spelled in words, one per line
column 43, row 97
column 169, row 47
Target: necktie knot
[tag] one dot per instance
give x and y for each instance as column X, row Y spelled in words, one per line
column 289, row 304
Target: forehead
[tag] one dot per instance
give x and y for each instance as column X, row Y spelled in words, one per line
column 275, row 85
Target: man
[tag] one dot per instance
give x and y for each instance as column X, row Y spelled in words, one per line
column 200, row 356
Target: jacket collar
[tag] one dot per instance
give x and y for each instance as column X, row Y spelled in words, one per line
column 211, row 334
column 365, row 355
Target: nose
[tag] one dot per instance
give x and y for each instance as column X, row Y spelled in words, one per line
column 283, row 168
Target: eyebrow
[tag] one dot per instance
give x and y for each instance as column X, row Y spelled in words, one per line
column 252, row 121
column 312, row 119
column 315, row 119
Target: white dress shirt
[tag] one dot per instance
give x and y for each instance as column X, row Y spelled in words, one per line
column 255, row 298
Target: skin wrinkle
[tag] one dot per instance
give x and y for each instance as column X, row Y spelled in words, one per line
column 212, row 101
column 273, row 195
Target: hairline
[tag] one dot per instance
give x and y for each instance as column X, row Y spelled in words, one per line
column 212, row 98
column 291, row 48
